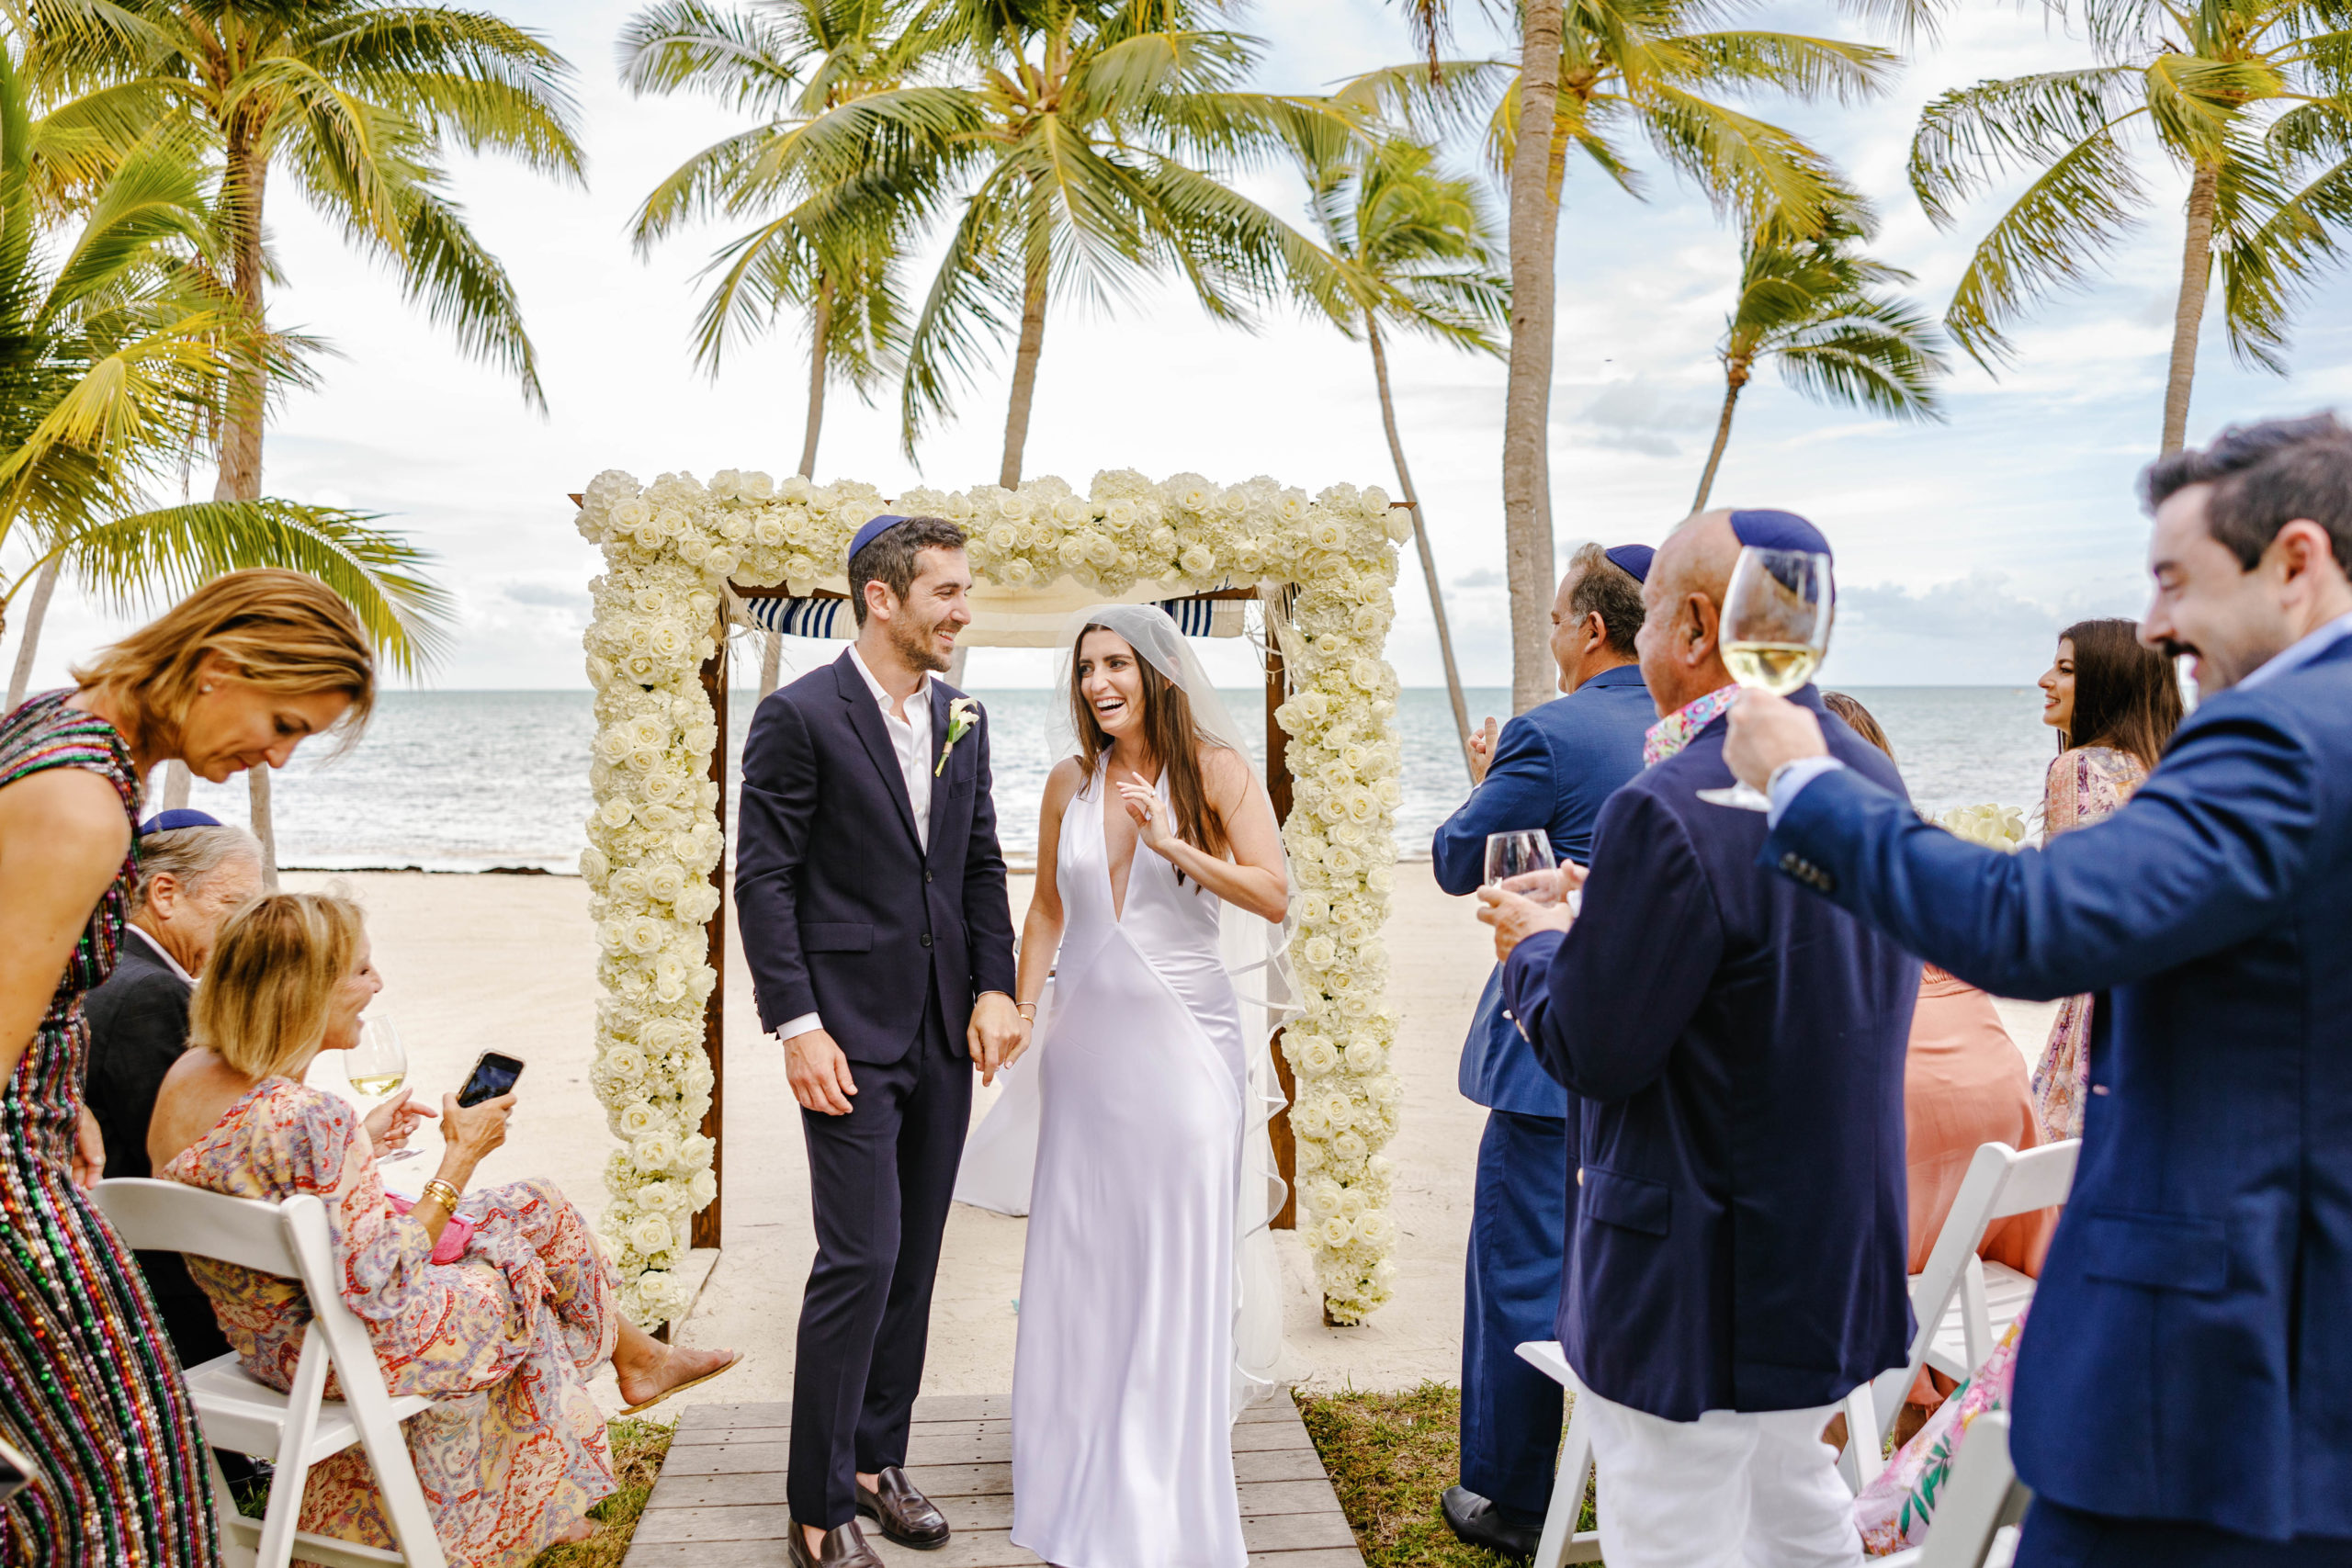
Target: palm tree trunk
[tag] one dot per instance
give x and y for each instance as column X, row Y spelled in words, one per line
column 820, row 326
column 1527, row 473
column 1734, row 378
column 1024, row 377
column 1421, row 534
column 243, row 170
column 43, row 586
column 2188, row 314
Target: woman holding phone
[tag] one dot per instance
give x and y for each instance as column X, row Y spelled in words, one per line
column 496, row 1303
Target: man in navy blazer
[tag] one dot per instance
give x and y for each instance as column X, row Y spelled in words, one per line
column 1551, row 769
column 1735, row 1253
column 871, row 892
column 2181, row 1385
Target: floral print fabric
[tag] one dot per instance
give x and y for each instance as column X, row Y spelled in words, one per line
column 1894, row 1510
column 513, row 1451
column 1681, row 727
column 2083, row 785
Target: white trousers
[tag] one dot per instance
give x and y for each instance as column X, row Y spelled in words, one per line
column 1729, row 1490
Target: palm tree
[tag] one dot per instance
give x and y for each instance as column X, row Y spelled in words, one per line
column 825, row 240
column 1417, row 249
column 1081, row 153
column 357, row 101
column 1812, row 304
column 2251, row 101
column 114, row 353
column 1590, row 74
column 827, row 248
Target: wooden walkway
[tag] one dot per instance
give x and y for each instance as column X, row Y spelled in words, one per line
column 719, row 1503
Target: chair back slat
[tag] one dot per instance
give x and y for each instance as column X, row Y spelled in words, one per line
column 169, row 1217
column 2038, row 1179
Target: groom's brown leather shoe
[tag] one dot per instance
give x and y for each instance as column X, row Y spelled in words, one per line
column 904, row 1515
column 844, row 1547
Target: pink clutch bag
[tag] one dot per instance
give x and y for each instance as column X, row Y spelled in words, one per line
column 454, row 1235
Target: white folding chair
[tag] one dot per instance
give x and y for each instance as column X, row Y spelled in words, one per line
column 1962, row 1303
column 1562, row 1541
column 301, row 1427
column 1982, row 1498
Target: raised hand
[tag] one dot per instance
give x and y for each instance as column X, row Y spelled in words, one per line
column 1142, row 802
column 1480, row 748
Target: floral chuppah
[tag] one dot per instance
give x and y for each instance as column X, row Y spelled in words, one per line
column 671, row 547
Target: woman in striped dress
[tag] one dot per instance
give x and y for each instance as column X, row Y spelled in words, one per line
column 233, row 677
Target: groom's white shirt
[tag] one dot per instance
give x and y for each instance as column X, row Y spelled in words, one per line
column 911, row 739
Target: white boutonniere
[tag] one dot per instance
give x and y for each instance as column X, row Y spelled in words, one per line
column 961, row 713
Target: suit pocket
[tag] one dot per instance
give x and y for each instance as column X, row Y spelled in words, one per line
column 1629, row 1202
column 846, row 936
column 2164, row 1252
column 958, row 788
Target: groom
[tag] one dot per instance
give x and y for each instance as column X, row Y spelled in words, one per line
column 872, row 897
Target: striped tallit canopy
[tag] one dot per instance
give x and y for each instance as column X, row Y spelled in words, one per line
column 1006, row 617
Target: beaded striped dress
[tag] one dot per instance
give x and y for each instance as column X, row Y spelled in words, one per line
column 89, row 1387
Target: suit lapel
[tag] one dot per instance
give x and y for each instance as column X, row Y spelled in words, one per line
column 865, row 718
column 941, row 763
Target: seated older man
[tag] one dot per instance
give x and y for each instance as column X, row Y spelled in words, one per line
column 193, row 873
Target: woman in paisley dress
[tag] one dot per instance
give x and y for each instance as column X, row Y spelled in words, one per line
column 497, row 1304
column 2115, row 706
column 236, row 676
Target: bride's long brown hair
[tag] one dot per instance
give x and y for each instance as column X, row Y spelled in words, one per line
column 1169, row 734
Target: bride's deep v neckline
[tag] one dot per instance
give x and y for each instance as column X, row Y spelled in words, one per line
column 1120, row 886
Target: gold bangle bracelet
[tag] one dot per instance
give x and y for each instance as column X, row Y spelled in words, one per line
column 442, row 1193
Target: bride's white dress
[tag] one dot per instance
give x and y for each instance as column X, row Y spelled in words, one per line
column 1124, row 1378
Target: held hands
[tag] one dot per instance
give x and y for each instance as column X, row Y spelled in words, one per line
column 996, row 1034
column 1142, row 802
column 1766, row 734
column 1480, row 749
column 390, row 1123
column 819, row 1072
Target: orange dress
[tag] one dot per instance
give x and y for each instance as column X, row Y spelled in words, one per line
column 1964, row 1086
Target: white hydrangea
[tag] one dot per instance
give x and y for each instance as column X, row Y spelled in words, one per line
column 653, row 841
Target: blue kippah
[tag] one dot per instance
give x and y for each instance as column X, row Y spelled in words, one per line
column 872, row 531
column 1778, row 531
column 179, row 817
column 1633, row 561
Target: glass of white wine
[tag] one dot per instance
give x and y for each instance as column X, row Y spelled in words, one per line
column 378, row 1066
column 1775, row 630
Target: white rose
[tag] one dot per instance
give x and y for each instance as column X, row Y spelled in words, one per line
column 657, row 1150
column 637, row 1119
column 653, row 1233
column 625, row 1063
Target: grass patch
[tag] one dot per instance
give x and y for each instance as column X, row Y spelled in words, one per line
column 638, row 1448
column 1391, row 1456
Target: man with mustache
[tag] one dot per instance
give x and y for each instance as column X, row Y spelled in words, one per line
column 2179, row 1387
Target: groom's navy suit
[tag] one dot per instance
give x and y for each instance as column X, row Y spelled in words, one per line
column 847, row 914
column 2183, row 1373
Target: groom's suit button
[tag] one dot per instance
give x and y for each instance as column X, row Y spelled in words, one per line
column 926, row 938
column 926, row 876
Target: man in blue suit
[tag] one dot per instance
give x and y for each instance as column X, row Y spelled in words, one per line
column 1736, row 1252
column 1551, row 769
column 2181, row 1385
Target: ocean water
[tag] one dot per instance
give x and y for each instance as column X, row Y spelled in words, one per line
column 475, row 781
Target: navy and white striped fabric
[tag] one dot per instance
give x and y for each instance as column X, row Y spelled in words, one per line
column 833, row 618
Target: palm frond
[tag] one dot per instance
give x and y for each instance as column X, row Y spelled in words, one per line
column 168, row 552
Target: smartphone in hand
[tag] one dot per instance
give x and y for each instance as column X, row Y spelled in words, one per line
column 493, row 1075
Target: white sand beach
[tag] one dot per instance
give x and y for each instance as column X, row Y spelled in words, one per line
column 507, row 962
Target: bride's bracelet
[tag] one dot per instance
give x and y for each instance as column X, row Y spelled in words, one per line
column 1027, row 1009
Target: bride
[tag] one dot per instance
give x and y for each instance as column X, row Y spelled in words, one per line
column 1150, row 1182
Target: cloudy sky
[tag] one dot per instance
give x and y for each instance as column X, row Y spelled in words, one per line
column 1962, row 546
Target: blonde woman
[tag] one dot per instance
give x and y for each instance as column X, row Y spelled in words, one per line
column 236, row 676
column 502, row 1321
